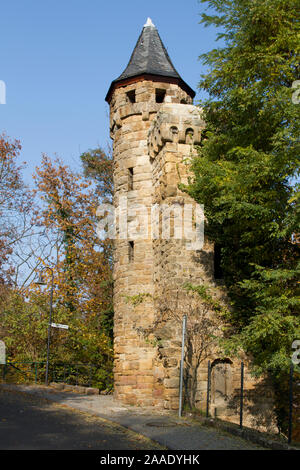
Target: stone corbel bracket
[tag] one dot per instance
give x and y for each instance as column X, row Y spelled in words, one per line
column 177, row 123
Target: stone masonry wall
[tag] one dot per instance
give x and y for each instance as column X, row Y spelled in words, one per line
column 129, row 125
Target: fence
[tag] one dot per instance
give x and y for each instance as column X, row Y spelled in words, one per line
column 35, row 372
column 230, row 394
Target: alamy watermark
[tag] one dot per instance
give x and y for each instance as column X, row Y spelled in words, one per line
column 296, row 354
column 296, row 94
column 134, row 221
column 2, row 92
column 2, row 352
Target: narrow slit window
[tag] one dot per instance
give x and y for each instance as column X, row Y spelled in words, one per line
column 218, row 272
column 131, row 251
column 131, row 96
column 160, row 95
column 130, row 179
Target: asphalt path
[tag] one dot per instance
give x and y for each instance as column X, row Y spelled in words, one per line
column 32, row 422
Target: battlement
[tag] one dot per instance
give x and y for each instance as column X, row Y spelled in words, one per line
column 175, row 123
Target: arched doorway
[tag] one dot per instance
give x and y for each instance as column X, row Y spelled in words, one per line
column 221, row 384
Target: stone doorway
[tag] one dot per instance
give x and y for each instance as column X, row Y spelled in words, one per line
column 221, row 386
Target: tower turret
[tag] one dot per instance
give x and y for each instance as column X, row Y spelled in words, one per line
column 135, row 97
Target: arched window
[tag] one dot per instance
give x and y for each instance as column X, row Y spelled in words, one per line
column 174, row 133
column 189, row 135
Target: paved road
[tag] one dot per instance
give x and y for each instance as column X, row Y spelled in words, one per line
column 32, row 422
column 71, row 416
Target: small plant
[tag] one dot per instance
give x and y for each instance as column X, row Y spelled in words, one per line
column 137, row 299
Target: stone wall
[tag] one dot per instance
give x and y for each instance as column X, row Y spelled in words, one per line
column 134, row 263
column 171, row 139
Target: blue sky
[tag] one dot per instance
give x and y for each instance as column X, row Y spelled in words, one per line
column 58, row 59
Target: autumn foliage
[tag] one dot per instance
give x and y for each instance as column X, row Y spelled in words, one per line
column 65, row 207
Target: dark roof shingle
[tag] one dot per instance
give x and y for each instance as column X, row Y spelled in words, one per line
column 149, row 56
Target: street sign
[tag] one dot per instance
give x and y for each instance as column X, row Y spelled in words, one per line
column 59, row 325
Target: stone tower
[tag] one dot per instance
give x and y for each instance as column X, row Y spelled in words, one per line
column 155, row 127
column 148, row 83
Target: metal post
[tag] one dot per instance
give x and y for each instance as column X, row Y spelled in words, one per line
column 35, row 372
column 181, row 365
column 208, row 388
column 242, row 395
column 291, row 404
column 49, row 328
column 90, row 376
column 4, row 372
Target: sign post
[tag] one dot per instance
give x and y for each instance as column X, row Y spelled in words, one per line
column 181, row 364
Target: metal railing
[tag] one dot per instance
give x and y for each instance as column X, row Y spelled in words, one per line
column 292, row 401
column 35, row 372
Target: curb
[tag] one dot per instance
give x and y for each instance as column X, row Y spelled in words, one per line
column 60, row 386
column 248, row 434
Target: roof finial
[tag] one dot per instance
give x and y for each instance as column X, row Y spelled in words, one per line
column 149, row 23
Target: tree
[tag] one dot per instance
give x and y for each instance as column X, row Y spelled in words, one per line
column 15, row 204
column 98, row 167
column 246, row 171
column 70, row 205
column 83, row 286
column 59, row 231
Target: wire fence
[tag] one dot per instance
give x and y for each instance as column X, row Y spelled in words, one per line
column 35, row 372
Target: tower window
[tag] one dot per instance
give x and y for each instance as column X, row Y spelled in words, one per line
column 174, row 133
column 130, row 251
column 130, row 179
column 131, row 96
column 189, row 135
column 160, row 95
column 218, row 272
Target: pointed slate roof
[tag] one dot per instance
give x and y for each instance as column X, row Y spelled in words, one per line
column 149, row 57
